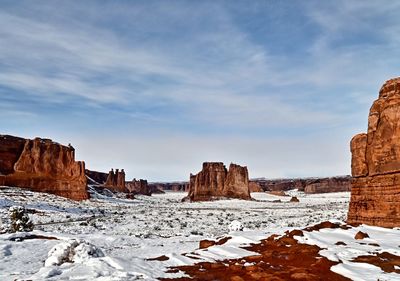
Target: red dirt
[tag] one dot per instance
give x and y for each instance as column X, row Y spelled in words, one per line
column 279, row 259
column 385, row 261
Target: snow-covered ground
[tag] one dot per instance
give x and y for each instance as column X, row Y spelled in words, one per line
column 111, row 238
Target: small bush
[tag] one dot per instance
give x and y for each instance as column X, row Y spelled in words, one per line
column 20, row 220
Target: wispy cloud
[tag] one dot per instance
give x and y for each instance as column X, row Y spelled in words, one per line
column 201, row 69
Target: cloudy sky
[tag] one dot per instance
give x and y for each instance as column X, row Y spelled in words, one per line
column 158, row 87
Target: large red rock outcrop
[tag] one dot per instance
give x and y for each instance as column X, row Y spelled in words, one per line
column 42, row 165
column 375, row 193
column 138, row 187
column 116, row 180
column 216, row 181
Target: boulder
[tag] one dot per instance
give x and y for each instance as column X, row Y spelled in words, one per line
column 375, row 192
column 42, row 165
column 215, row 181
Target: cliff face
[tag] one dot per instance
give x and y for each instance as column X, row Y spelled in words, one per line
column 10, row 151
column 375, row 193
column 214, row 180
column 42, row 165
column 116, row 181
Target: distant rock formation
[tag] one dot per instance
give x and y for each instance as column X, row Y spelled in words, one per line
column 308, row 185
column 255, row 187
column 116, row 181
column 42, row 165
column 171, row 186
column 138, row 187
column 326, row 185
column 216, row 181
column 375, row 193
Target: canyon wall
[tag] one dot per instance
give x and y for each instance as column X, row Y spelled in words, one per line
column 42, row 165
column 215, row 181
column 375, row 192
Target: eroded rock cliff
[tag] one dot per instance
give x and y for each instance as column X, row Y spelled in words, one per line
column 215, row 181
column 42, row 165
column 375, row 193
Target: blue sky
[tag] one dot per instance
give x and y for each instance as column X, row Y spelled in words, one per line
column 158, row 87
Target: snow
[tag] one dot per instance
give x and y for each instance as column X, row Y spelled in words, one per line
column 380, row 240
column 113, row 238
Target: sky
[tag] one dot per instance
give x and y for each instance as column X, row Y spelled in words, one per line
column 159, row 87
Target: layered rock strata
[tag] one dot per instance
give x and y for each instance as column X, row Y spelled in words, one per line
column 216, row 181
column 375, row 193
column 42, row 165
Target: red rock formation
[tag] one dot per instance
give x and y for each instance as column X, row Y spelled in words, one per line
column 42, row 165
column 172, row 186
column 237, row 182
column 215, row 181
column 308, row 185
column 116, row 181
column 138, row 187
column 375, row 193
column 336, row 184
column 10, row 150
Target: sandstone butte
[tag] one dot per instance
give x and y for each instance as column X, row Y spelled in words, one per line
column 375, row 164
column 116, row 180
column 215, row 181
column 42, row 165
